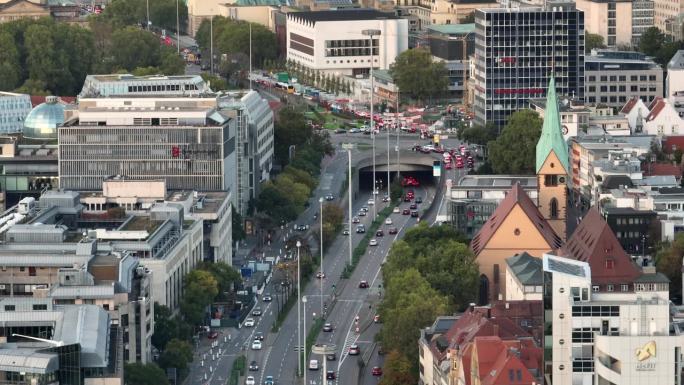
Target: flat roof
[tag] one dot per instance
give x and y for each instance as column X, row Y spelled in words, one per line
column 453, row 29
column 503, row 182
column 626, row 211
column 343, row 15
column 27, row 361
column 127, row 77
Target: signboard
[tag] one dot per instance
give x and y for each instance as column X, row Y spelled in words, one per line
column 246, row 272
column 437, row 168
column 644, row 356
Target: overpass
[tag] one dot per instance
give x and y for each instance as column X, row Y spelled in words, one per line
column 411, row 162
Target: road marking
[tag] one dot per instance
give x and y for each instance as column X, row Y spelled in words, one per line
column 268, row 354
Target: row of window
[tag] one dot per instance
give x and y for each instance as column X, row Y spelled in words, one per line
column 632, row 221
column 622, row 89
column 623, row 78
column 595, row 311
column 163, row 87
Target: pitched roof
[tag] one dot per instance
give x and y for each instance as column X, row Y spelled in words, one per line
column 615, row 181
column 595, row 243
column 516, row 197
column 551, row 138
column 657, row 105
column 629, row 105
column 499, row 362
column 661, row 169
column 526, row 268
column 672, row 143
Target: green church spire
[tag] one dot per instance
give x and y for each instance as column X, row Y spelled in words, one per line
column 551, row 139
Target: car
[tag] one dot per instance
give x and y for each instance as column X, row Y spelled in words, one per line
column 212, row 335
column 269, row 380
column 376, row 371
column 249, row 322
column 327, row 327
column 363, row 285
column 259, row 336
column 385, row 198
column 356, row 220
column 414, row 213
column 370, row 202
column 362, row 213
column 381, row 350
column 354, row 350
column 407, row 198
column 406, row 212
column 360, row 229
column 413, row 206
column 393, row 230
column 376, row 319
column 388, row 221
column 345, row 231
column 354, row 131
column 313, row 365
column 266, row 297
column 329, row 197
column 373, row 242
column 379, row 233
column 365, row 208
column 396, row 210
column 250, row 381
column 419, row 200
column 301, row 227
column 331, row 356
column 256, row 345
column 256, row 311
column 320, row 275
column 330, row 375
column 253, row 366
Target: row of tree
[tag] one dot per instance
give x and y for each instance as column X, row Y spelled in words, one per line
column 431, row 272
column 327, row 82
column 653, row 42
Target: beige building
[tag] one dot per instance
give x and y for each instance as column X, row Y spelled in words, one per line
column 619, row 22
column 443, row 11
column 25, row 9
column 258, row 14
column 667, row 11
column 200, row 10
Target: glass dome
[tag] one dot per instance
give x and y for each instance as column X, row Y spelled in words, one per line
column 42, row 121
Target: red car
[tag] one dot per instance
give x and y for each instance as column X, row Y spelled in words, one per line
column 406, row 212
column 376, row 371
column 212, row 335
column 393, row 230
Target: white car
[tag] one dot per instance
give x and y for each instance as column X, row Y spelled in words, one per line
column 396, row 210
column 249, row 322
column 373, row 242
column 250, row 381
column 256, row 345
column 370, row 202
column 388, row 221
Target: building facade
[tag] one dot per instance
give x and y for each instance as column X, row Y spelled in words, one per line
column 14, row 108
column 674, row 82
column 333, row 42
column 510, row 68
column 632, row 228
column 667, row 11
column 613, row 77
column 620, row 22
column 453, row 44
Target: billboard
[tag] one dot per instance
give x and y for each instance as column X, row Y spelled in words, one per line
column 437, row 168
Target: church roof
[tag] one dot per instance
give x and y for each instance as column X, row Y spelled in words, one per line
column 516, row 197
column 551, row 138
column 595, row 243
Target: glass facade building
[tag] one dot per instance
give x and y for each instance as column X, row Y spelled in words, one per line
column 13, row 110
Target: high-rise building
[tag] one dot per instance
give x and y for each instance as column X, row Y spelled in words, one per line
column 619, row 22
column 13, row 110
column 517, row 50
column 666, row 12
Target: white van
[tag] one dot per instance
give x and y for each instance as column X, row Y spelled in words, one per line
column 313, row 365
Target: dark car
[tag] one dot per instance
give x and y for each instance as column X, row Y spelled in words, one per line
column 379, row 233
column 331, row 357
column 327, row 328
column 363, row 285
column 407, row 198
column 340, row 131
column 405, row 212
column 419, row 200
column 259, row 336
column 414, row 213
column 330, row 375
column 393, row 230
column 253, row 366
column 212, row 335
column 413, row 206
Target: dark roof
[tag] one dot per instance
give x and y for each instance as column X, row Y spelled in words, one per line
column 627, row 211
column 516, row 197
column 629, row 105
column 342, row 15
column 527, row 268
column 615, row 181
column 595, row 243
column 652, row 278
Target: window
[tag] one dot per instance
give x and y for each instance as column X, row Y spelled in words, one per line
column 610, row 288
column 551, row 180
column 32, row 271
column 40, row 306
column 553, row 211
column 610, row 264
column 10, row 308
column 511, row 375
column 595, row 288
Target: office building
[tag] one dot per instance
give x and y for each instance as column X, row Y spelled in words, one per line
column 612, row 77
column 126, row 85
column 453, row 44
column 13, row 110
column 631, row 227
column 63, row 11
column 619, row 22
column 30, row 167
column 441, row 12
column 333, row 41
column 667, row 11
column 518, row 50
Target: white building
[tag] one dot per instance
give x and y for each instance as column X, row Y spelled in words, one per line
column 635, row 111
column 674, row 82
column 663, row 119
column 13, row 110
column 333, row 41
column 524, row 278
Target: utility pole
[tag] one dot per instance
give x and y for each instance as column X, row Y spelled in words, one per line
column 250, row 58
column 178, row 26
column 370, row 33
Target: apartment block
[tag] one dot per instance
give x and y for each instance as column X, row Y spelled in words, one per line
column 619, row 22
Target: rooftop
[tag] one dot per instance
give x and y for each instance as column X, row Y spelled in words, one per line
column 497, row 181
column 140, row 223
column 527, row 269
column 341, row 15
column 454, row 29
column 677, row 61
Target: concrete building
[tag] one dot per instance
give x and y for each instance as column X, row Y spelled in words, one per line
column 441, row 12
column 631, row 227
column 667, row 11
column 333, row 42
column 574, row 115
column 453, row 44
column 509, row 71
column 14, row 108
column 612, row 77
column 619, row 22
column 74, row 344
column 674, row 82
column 524, row 278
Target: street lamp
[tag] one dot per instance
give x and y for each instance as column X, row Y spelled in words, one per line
column 177, row 27
column 388, row 162
column 349, row 147
column 320, row 201
column 370, row 33
column 304, row 348
column 299, row 313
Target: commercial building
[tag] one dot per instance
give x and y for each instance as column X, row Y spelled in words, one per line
column 612, row 77
column 333, row 41
column 518, row 50
column 574, row 115
column 453, row 44
column 47, row 344
column 14, row 108
column 631, row 227
column 667, row 11
column 619, row 22
column 442, row 12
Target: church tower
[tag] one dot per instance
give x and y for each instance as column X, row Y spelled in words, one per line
column 552, row 166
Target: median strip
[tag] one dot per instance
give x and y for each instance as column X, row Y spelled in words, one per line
column 360, row 249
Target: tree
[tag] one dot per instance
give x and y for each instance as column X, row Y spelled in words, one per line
column 651, row 41
column 274, row 204
column 144, row 374
column 593, row 41
column 417, row 75
column 667, row 51
column 396, row 190
column 238, row 225
column 514, row 151
column 332, row 223
column 290, row 130
column 479, row 134
column 397, row 370
column 132, row 48
column 225, row 275
column 200, row 289
column 178, row 354
column 669, row 262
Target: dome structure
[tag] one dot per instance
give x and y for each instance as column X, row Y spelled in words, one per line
column 43, row 120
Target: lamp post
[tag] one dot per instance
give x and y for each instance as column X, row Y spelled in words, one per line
column 388, row 162
column 370, row 33
column 177, row 27
column 349, row 147
column 147, row 3
column 320, row 201
column 299, row 315
column 304, row 347
column 211, row 45
column 396, row 114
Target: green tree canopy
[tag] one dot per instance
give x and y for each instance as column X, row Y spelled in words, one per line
column 232, row 36
column 199, row 292
column 514, row 151
column 669, row 262
column 132, row 48
column 397, row 370
column 144, row 374
column 479, row 134
column 238, row 225
column 178, row 354
column 593, row 41
column 290, row 130
column 121, row 13
column 651, row 41
column 417, row 75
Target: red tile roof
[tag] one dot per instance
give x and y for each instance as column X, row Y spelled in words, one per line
column 661, row 169
column 656, row 107
column 500, row 362
column 594, row 242
column 38, row 99
column 672, row 143
column 629, row 105
column 516, row 197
